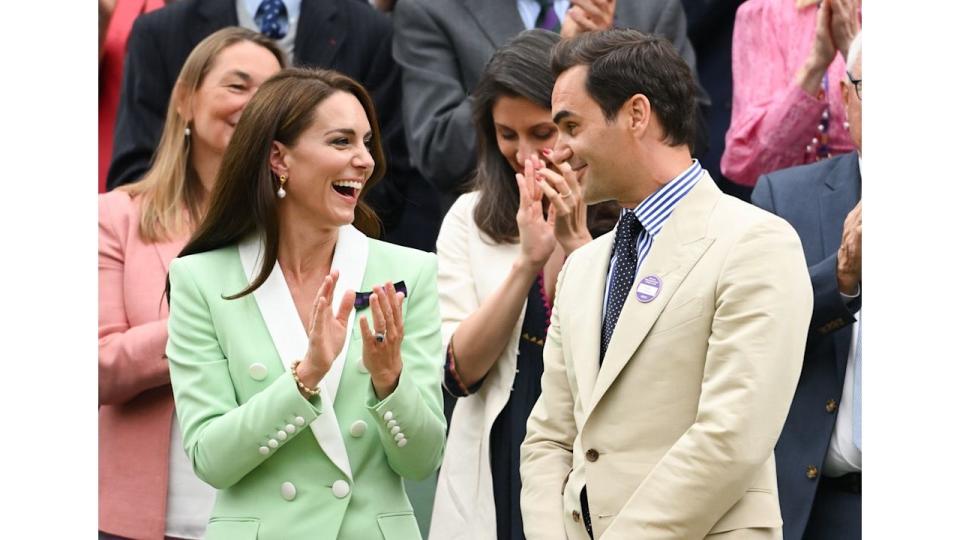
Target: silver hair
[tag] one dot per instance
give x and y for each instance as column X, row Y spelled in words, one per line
column 854, row 53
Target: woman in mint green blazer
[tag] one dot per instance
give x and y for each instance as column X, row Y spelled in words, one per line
column 305, row 357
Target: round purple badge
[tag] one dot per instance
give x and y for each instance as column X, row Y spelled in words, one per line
column 648, row 288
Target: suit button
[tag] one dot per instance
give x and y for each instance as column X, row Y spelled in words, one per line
column 258, row 371
column 831, row 406
column 576, row 516
column 358, row 428
column 288, row 491
column 340, row 489
column 592, row 455
column 812, row 472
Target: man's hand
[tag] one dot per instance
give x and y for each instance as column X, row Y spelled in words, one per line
column 848, row 256
column 587, row 16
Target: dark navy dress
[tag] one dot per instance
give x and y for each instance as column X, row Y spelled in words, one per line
column 510, row 427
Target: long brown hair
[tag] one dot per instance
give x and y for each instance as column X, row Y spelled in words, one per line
column 244, row 199
column 171, row 182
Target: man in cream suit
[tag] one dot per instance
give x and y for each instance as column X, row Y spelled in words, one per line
column 676, row 340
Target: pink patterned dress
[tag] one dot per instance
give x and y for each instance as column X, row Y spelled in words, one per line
column 774, row 123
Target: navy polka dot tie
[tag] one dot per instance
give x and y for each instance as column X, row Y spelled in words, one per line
column 271, row 17
column 624, row 268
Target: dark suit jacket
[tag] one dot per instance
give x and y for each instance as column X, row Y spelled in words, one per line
column 815, row 199
column 444, row 46
column 348, row 36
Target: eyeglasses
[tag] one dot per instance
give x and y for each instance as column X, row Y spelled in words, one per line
column 857, row 85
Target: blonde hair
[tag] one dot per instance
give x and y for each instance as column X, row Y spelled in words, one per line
column 171, row 185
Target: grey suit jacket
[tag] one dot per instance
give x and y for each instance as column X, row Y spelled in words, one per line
column 443, row 47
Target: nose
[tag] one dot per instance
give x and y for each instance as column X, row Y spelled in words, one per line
column 363, row 159
column 525, row 149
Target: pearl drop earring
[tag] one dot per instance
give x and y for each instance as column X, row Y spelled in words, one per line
column 281, row 193
column 846, row 125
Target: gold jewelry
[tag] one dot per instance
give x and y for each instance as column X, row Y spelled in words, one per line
column 312, row 392
column 281, row 193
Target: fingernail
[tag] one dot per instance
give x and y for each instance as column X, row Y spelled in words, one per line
column 546, row 151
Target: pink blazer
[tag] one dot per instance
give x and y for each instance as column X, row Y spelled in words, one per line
column 136, row 402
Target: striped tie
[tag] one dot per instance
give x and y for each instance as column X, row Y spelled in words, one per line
column 856, row 384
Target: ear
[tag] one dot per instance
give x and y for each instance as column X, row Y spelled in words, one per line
column 845, row 89
column 278, row 158
column 182, row 101
column 637, row 111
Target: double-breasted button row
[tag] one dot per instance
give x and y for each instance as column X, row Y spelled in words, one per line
column 393, row 425
column 281, row 435
column 340, row 489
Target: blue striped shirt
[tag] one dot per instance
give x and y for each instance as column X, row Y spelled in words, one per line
column 653, row 213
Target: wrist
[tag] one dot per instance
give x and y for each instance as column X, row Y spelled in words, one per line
column 848, row 284
column 308, row 374
column 384, row 383
column 811, row 74
column 526, row 267
column 570, row 245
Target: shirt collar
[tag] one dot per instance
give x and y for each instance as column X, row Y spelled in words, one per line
column 657, row 207
column 293, row 8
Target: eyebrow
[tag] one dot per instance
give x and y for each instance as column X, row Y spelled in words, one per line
column 346, row 131
column 557, row 118
column 242, row 74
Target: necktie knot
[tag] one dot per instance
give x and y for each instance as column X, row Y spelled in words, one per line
column 547, row 19
column 628, row 230
column 271, row 17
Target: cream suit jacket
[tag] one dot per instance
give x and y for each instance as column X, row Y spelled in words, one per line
column 673, row 437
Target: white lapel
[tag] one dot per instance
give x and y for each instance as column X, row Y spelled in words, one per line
column 289, row 338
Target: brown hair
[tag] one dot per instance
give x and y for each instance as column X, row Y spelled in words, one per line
column 244, row 199
column 624, row 62
column 171, row 182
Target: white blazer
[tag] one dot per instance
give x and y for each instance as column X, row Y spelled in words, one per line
column 471, row 267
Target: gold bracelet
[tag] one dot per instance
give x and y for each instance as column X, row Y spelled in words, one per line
column 312, row 392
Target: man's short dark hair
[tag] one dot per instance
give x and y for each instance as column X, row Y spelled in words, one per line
column 623, row 62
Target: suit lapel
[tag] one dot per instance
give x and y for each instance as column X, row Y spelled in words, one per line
column 279, row 313
column 675, row 251
column 840, row 193
column 498, row 19
column 583, row 330
column 319, row 35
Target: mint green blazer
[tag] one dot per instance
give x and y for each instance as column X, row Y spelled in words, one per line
column 286, row 467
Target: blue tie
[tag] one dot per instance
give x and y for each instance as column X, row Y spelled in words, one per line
column 271, row 17
column 856, row 384
column 624, row 268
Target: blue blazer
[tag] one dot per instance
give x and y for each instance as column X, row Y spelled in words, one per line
column 815, row 199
